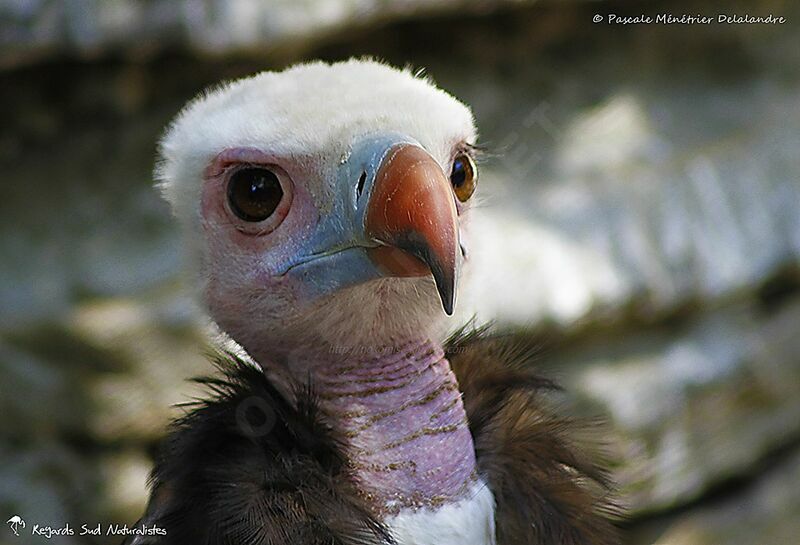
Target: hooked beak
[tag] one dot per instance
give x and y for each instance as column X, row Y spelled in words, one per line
column 412, row 217
column 393, row 214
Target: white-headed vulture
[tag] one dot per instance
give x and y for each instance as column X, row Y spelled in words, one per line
column 325, row 210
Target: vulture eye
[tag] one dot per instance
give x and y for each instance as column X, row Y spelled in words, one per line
column 464, row 177
column 254, row 193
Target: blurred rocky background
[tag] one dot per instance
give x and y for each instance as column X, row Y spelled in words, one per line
column 640, row 220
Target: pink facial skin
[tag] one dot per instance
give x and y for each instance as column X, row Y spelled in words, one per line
column 270, row 312
column 273, row 241
column 400, row 410
column 245, row 262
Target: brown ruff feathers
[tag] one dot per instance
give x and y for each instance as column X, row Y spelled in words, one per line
column 542, row 468
column 216, row 484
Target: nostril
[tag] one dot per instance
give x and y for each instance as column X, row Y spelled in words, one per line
column 360, row 186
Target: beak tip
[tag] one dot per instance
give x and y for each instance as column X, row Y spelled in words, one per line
column 447, row 293
column 448, row 308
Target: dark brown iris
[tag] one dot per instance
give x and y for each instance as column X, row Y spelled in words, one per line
column 254, row 193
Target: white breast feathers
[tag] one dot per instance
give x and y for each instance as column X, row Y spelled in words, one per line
column 469, row 521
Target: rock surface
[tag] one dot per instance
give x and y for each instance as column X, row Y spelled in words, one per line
column 767, row 511
column 35, row 29
column 696, row 404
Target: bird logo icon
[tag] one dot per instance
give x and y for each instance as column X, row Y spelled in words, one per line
column 14, row 523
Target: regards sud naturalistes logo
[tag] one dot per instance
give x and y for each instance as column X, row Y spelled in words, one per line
column 17, row 524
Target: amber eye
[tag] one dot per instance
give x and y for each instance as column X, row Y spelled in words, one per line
column 254, row 193
column 464, row 177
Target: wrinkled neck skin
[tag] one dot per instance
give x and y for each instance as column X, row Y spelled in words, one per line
column 400, row 414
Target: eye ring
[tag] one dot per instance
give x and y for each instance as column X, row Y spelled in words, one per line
column 258, row 195
column 464, row 176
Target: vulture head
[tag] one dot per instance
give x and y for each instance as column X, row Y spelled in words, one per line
column 325, row 205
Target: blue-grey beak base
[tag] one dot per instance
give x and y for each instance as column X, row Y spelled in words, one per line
column 336, row 255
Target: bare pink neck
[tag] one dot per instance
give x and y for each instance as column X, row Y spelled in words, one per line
column 400, row 414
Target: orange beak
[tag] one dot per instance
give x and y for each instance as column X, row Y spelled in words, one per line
column 412, row 214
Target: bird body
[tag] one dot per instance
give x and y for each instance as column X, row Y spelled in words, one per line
column 251, row 466
column 326, row 210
